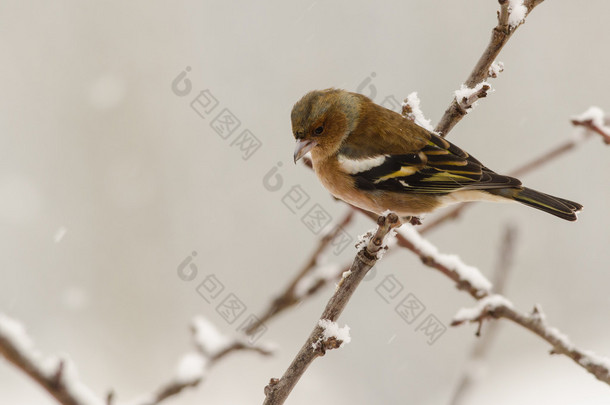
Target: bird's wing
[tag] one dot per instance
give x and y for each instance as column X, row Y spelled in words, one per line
column 431, row 165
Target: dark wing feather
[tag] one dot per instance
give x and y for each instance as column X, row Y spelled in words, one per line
column 438, row 167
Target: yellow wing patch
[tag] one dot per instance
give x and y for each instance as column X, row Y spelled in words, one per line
column 403, row 172
column 446, row 176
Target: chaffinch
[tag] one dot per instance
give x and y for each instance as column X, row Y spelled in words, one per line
column 377, row 160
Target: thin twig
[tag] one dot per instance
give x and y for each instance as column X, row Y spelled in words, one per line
column 174, row 387
column 203, row 333
column 52, row 384
column 278, row 389
column 591, row 126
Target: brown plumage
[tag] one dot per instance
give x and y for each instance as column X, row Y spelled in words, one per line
column 378, row 160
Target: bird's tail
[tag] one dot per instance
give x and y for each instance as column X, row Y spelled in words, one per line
column 559, row 207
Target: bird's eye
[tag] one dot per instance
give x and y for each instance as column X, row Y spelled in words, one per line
column 318, row 130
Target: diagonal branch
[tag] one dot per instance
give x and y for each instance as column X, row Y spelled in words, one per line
column 212, row 346
column 59, row 379
column 51, row 385
column 278, row 390
column 496, row 306
column 17, row 347
column 198, row 361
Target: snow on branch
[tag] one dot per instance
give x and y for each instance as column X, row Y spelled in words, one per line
column 56, row 375
column 412, row 111
column 516, row 11
column 496, row 306
column 333, row 336
column 192, row 368
column 326, row 333
column 594, row 120
column 467, row 97
column 495, row 69
column 467, row 277
column 484, row 307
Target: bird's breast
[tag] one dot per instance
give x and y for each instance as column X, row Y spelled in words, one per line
column 341, row 184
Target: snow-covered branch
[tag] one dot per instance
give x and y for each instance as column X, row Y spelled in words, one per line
column 58, row 375
column 495, row 69
column 327, row 334
column 466, row 277
column 467, row 97
column 511, row 15
column 211, row 346
column 594, row 120
column 496, row 306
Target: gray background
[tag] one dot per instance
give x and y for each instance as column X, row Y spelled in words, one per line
column 94, row 141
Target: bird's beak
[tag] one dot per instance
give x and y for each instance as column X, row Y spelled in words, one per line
column 303, row 146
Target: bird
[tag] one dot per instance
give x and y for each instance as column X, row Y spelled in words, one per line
column 378, row 160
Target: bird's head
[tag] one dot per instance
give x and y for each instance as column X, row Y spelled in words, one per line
column 322, row 119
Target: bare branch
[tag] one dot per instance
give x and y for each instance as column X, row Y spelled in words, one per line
column 278, row 390
column 211, row 346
